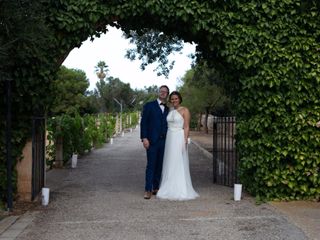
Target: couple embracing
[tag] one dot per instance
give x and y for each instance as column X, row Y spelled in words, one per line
column 164, row 134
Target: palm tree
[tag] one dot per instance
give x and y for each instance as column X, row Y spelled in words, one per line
column 101, row 70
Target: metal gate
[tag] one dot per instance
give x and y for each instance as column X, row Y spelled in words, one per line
column 225, row 157
column 38, row 155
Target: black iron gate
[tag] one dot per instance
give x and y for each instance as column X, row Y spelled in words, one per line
column 38, row 155
column 225, row 157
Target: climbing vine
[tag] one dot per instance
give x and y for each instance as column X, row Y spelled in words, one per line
column 78, row 134
column 269, row 49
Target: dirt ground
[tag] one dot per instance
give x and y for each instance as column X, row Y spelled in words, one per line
column 205, row 140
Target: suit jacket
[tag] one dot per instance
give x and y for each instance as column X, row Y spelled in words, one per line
column 153, row 122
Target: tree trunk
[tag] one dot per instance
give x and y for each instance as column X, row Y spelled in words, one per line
column 199, row 122
column 206, row 129
column 59, row 153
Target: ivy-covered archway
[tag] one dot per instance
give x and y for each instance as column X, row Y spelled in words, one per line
column 268, row 50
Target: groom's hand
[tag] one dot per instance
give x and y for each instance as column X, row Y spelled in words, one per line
column 146, row 143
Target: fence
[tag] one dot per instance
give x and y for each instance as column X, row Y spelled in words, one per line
column 225, row 157
column 38, row 155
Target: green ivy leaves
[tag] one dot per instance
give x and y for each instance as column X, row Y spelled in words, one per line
column 268, row 49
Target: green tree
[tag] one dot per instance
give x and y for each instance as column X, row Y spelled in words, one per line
column 113, row 88
column 92, row 102
column 70, row 89
column 146, row 94
column 202, row 94
column 153, row 46
column 22, row 23
column 102, row 70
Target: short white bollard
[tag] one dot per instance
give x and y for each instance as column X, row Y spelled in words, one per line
column 45, row 196
column 130, row 129
column 237, row 192
column 122, row 134
column 74, row 160
column 111, row 140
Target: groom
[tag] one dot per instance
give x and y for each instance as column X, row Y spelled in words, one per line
column 153, row 133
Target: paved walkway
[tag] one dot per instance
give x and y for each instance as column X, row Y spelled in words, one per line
column 103, row 199
column 304, row 214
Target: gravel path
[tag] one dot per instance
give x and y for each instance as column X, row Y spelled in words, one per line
column 103, row 199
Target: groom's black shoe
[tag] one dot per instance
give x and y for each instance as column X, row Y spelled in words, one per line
column 147, row 195
column 155, row 191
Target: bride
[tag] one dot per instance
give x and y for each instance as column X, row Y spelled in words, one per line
column 175, row 180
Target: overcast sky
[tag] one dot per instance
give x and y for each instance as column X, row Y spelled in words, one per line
column 111, row 48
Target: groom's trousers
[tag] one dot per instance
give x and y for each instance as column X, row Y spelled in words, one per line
column 155, row 154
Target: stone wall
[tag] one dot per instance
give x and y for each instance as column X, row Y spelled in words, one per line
column 210, row 121
column 24, row 173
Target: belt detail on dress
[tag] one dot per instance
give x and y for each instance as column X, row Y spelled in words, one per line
column 175, row 129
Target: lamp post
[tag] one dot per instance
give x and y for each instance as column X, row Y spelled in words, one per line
column 120, row 104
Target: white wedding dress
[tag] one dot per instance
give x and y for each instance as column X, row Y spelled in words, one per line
column 176, row 180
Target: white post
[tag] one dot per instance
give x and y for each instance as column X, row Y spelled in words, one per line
column 74, row 160
column 45, row 192
column 120, row 104
column 237, row 192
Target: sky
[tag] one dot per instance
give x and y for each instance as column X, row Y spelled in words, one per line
column 111, row 48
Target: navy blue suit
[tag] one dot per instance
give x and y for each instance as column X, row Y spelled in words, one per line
column 154, row 127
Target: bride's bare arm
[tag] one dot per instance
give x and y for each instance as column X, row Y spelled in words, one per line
column 186, row 125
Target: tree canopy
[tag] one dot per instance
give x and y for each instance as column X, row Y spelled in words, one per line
column 154, row 46
column 70, row 89
column 113, row 88
column 202, row 93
